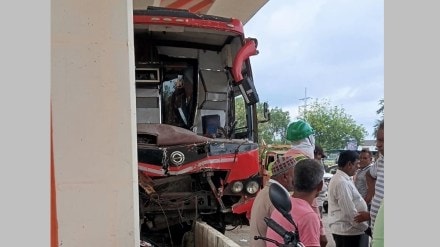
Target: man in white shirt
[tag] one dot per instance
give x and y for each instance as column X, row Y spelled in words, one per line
column 345, row 203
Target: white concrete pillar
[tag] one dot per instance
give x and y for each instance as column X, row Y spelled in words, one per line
column 94, row 125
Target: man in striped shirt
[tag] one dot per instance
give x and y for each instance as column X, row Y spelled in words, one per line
column 377, row 173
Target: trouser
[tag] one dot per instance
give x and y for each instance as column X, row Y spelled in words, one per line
column 351, row 240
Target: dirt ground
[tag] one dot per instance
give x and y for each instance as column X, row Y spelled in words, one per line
column 241, row 236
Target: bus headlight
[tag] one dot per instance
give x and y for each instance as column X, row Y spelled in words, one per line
column 252, row 187
column 237, row 187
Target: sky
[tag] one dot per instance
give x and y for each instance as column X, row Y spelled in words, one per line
column 320, row 50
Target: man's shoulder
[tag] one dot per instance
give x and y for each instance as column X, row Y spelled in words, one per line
column 367, row 168
column 300, row 205
column 304, row 213
column 380, row 159
column 378, row 163
column 263, row 192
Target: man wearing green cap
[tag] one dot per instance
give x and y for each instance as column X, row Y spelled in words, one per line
column 302, row 137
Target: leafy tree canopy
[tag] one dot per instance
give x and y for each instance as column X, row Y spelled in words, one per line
column 274, row 131
column 333, row 126
column 270, row 132
column 379, row 112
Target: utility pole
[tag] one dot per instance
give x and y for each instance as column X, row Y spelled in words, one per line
column 304, row 107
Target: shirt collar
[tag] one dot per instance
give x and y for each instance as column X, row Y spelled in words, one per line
column 343, row 174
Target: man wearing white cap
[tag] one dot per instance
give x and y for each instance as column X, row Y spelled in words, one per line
column 282, row 173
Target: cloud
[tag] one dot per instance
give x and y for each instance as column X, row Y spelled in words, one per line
column 327, row 49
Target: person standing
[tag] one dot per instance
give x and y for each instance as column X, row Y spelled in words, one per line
column 282, row 173
column 377, row 173
column 319, row 155
column 345, row 203
column 302, row 137
column 364, row 186
column 360, row 181
column 308, row 174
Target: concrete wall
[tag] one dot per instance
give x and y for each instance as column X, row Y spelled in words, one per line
column 205, row 235
column 94, row 124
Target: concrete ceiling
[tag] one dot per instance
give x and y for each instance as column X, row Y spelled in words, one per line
column 243, row 10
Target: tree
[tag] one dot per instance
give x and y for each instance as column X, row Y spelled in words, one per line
column 380, row 112
column 333, row 127
column 240, row 113
column 274, row 131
